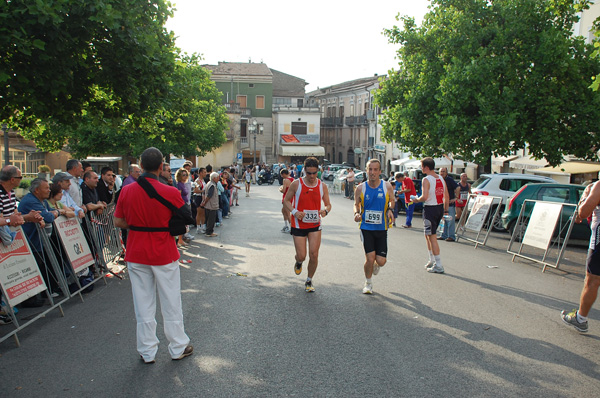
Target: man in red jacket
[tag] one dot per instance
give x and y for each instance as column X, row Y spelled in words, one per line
column 152, row 261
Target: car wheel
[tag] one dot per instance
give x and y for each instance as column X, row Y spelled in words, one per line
column 497, row 227
column 330, row 177
column 518, row 229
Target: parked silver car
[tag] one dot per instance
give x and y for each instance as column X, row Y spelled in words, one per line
column 504, row 185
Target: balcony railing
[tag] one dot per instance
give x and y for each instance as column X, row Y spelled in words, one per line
column 357, row 120
column 289, row 108
column 233, row 108
column 330, row 121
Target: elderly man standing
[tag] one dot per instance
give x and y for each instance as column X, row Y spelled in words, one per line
column 152, row 260
column 134, row 173
column 35, row 201
column 211, row 204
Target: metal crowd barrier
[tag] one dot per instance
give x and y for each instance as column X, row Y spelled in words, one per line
column 102, row 246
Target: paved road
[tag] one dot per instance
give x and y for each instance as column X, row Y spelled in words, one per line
column 475, row 331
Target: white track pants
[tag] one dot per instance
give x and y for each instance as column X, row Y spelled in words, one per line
column 145, row 280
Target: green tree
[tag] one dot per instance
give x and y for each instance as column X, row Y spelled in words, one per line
column 56, row 55
column 188, row 119
column 483, row 77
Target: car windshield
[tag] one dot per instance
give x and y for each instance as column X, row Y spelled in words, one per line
column 481, row 181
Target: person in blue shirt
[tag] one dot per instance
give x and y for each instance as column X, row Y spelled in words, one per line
column 373, row 209
column 35, row 201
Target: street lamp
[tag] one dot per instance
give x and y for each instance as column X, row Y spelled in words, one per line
column 5, row 130
column 255, row 128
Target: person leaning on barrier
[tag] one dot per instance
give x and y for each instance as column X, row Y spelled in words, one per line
column 152, row 261
column 64, row 181
column 35, row 201
column 56, row 194
column 10, row 178
column 90, row 194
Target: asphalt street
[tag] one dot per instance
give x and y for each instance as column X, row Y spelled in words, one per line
column 488, row 327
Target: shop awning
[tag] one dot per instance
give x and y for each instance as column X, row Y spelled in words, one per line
column 568, row 168
column 301, row 150
column 400, row 162
column 103, row 158
column 528, row 163
column 500, row 160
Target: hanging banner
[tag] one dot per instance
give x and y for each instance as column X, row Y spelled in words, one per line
column 542, row 224
column 77, row 249
column 479, row 213
column 20, row 277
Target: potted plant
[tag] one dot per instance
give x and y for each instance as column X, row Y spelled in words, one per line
column 23, row 187
column 44, row 172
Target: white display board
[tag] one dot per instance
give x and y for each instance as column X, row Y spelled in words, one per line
column 77, row 249
column 20, row 276
column 542, row 224
column 479, row 213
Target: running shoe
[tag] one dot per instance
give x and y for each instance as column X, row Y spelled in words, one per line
column 436, row 269
column 308, row 287
column 298, row 268
column 368, row 288
column 429, row 264
column 375, row 268
column 571, row 319
column 285, row 229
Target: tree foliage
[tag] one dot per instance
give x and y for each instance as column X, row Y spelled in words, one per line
column 482, row 77
column 188, row 119
column 103, row 76
column 54, row 55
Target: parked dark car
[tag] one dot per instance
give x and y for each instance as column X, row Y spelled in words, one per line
column 558, row 193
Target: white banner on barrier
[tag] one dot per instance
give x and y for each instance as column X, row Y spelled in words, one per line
column 20, row 276
column 479, row 212
column 74, row 242
column 542, row 224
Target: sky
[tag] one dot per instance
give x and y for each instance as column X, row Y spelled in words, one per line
column 324, row 42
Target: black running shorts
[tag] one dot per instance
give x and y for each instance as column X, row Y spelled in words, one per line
column 304, row 232
column 432, row 215
column 374, row 241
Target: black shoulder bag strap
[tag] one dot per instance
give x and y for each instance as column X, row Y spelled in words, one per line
column 151, row 191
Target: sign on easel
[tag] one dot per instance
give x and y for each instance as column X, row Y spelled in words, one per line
column 77, row 249
column 479, row 213
column 20, row 276
column 541, row 225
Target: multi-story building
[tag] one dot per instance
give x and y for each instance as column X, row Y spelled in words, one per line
column 349, row 129
column 269, row 121
column 296, row 126
column 248, row 96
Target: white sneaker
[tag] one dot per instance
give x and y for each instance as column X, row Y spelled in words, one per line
column 368, row 289
column 375, row 268
column 437, row 269
column 429, row 264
